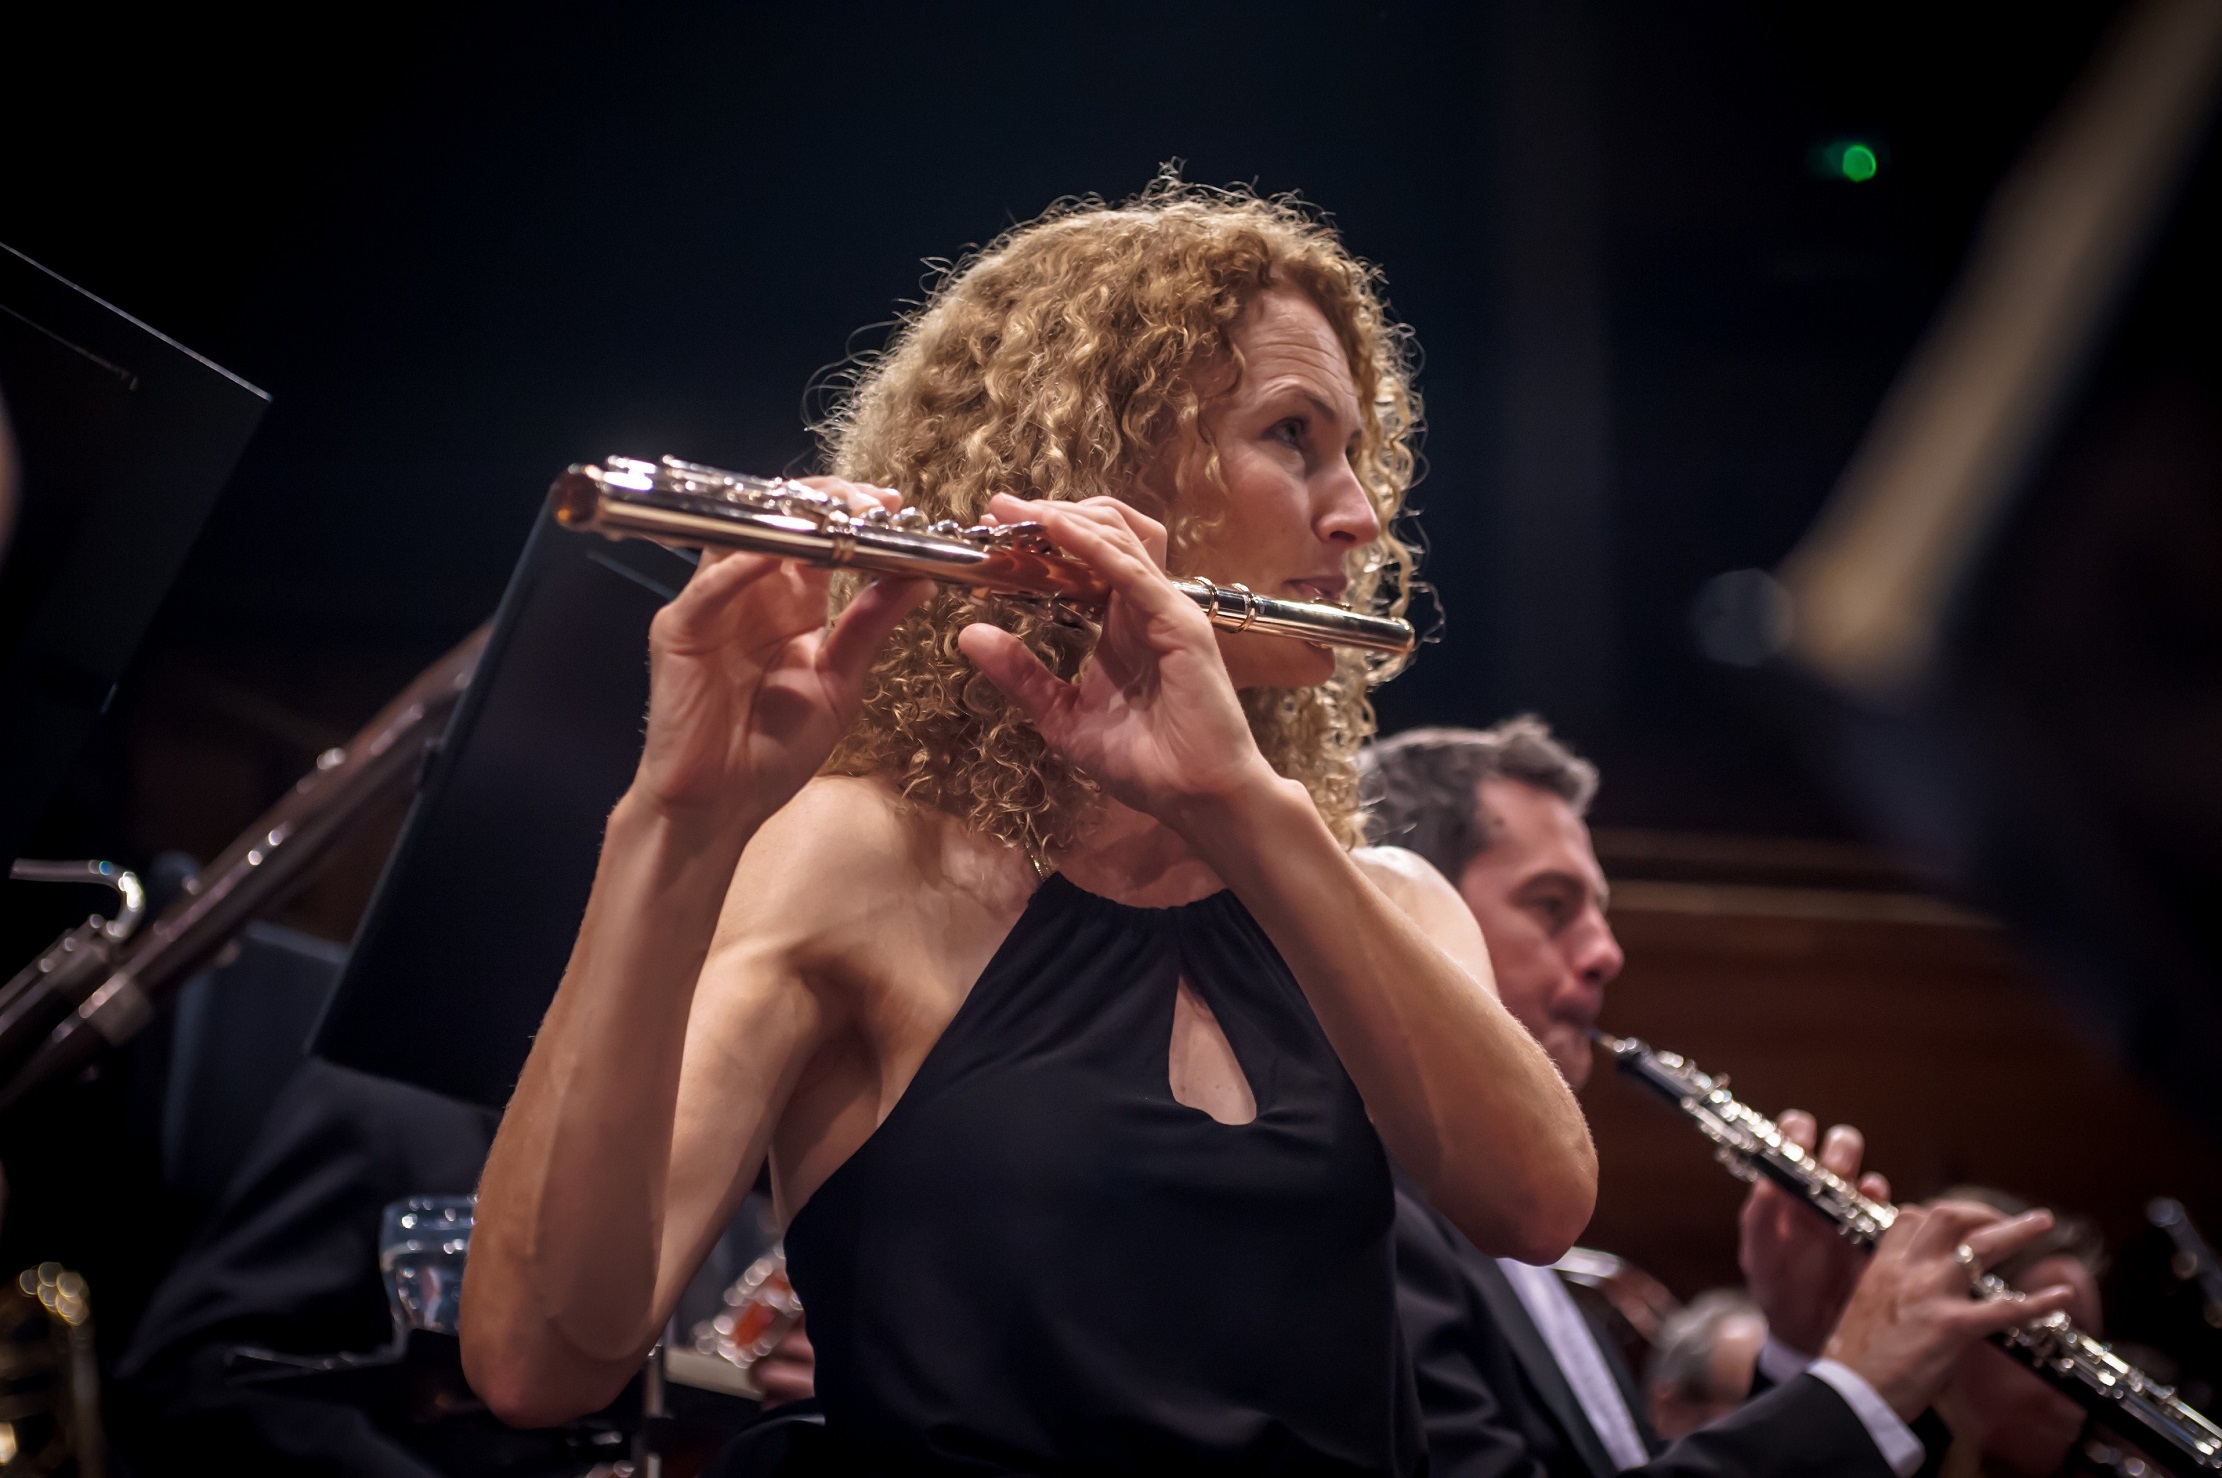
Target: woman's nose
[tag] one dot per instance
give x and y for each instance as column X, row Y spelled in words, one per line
column 1346, row 516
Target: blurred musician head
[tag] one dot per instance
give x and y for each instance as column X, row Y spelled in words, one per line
column 1217, row 360
column 2005, row 1420
column 1499, row 811
column 1701, row 1368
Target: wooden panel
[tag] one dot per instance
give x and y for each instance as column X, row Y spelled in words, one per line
column 1933, row 1037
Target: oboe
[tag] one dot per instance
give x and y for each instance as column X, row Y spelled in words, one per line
column 1749, row 1144
column 686, row 506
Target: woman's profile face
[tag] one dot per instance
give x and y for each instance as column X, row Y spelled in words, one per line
column 1295, row 510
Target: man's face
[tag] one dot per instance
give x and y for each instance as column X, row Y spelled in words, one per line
column 1539, row 897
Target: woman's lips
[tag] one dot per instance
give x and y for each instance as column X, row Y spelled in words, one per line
column 1326, row 590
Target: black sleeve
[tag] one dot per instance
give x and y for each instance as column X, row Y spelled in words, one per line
column 1484, row 1420
column 1471, row 1433
column 1794, row 1430
column 1936, row 1439
column 1805, row 1426
column 288, row 1260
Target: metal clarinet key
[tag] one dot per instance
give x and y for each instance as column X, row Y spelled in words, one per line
column 690, row 507
column 57, row 982
column 2139, row 1408
column 113, row 979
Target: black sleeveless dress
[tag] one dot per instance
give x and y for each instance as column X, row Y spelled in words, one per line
column 1042, row 1263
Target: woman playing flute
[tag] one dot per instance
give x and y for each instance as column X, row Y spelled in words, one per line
column 1038, row 961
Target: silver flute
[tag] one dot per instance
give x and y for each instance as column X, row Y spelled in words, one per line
column 685, row 506
column 2115, row 1392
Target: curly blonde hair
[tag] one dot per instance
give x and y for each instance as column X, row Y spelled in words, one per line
column 1061, row 362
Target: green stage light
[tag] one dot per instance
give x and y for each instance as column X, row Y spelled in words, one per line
column 1847, row 159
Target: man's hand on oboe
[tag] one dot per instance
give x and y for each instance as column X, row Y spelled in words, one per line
column 1153, row 716
column 1912, row 1315
column 749, row 689
column 1800, row 1269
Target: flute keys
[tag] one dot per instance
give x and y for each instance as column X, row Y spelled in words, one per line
column 686, row 505
column 1030, row 537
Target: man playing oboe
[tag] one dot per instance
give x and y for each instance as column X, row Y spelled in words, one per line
column 1511, row 1379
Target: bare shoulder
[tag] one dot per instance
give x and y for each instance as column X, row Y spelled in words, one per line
column 844, row 820
column 840, row 840
column 794, row 935
column 1414, row 885
column 1407, row 877
column 849, row 876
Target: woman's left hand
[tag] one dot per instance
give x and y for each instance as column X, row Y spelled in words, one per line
column 1152, row 717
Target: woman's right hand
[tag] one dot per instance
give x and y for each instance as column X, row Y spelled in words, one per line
column 748, row 688
column 1152, row 716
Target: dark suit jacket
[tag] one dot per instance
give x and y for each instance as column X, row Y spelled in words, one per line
column 1497, row 1406
column 289, row 1260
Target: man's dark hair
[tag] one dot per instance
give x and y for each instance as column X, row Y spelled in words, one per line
column 1421, row 789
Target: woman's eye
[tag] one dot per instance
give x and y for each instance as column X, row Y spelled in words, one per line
column 1289, row 432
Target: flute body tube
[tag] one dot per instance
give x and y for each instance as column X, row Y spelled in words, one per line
column 687, row 506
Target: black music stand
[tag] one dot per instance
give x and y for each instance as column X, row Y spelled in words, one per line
column 125, row 438
column 467, row 935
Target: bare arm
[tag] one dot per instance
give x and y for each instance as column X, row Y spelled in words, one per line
column 581, row 1242
column 1462, row 1095
column 1426, row 897
column 574, row 1250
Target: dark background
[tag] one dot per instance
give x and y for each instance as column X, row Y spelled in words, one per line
column 465, row 245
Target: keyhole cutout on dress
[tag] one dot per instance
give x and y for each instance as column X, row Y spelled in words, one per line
column 1201, row 1065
